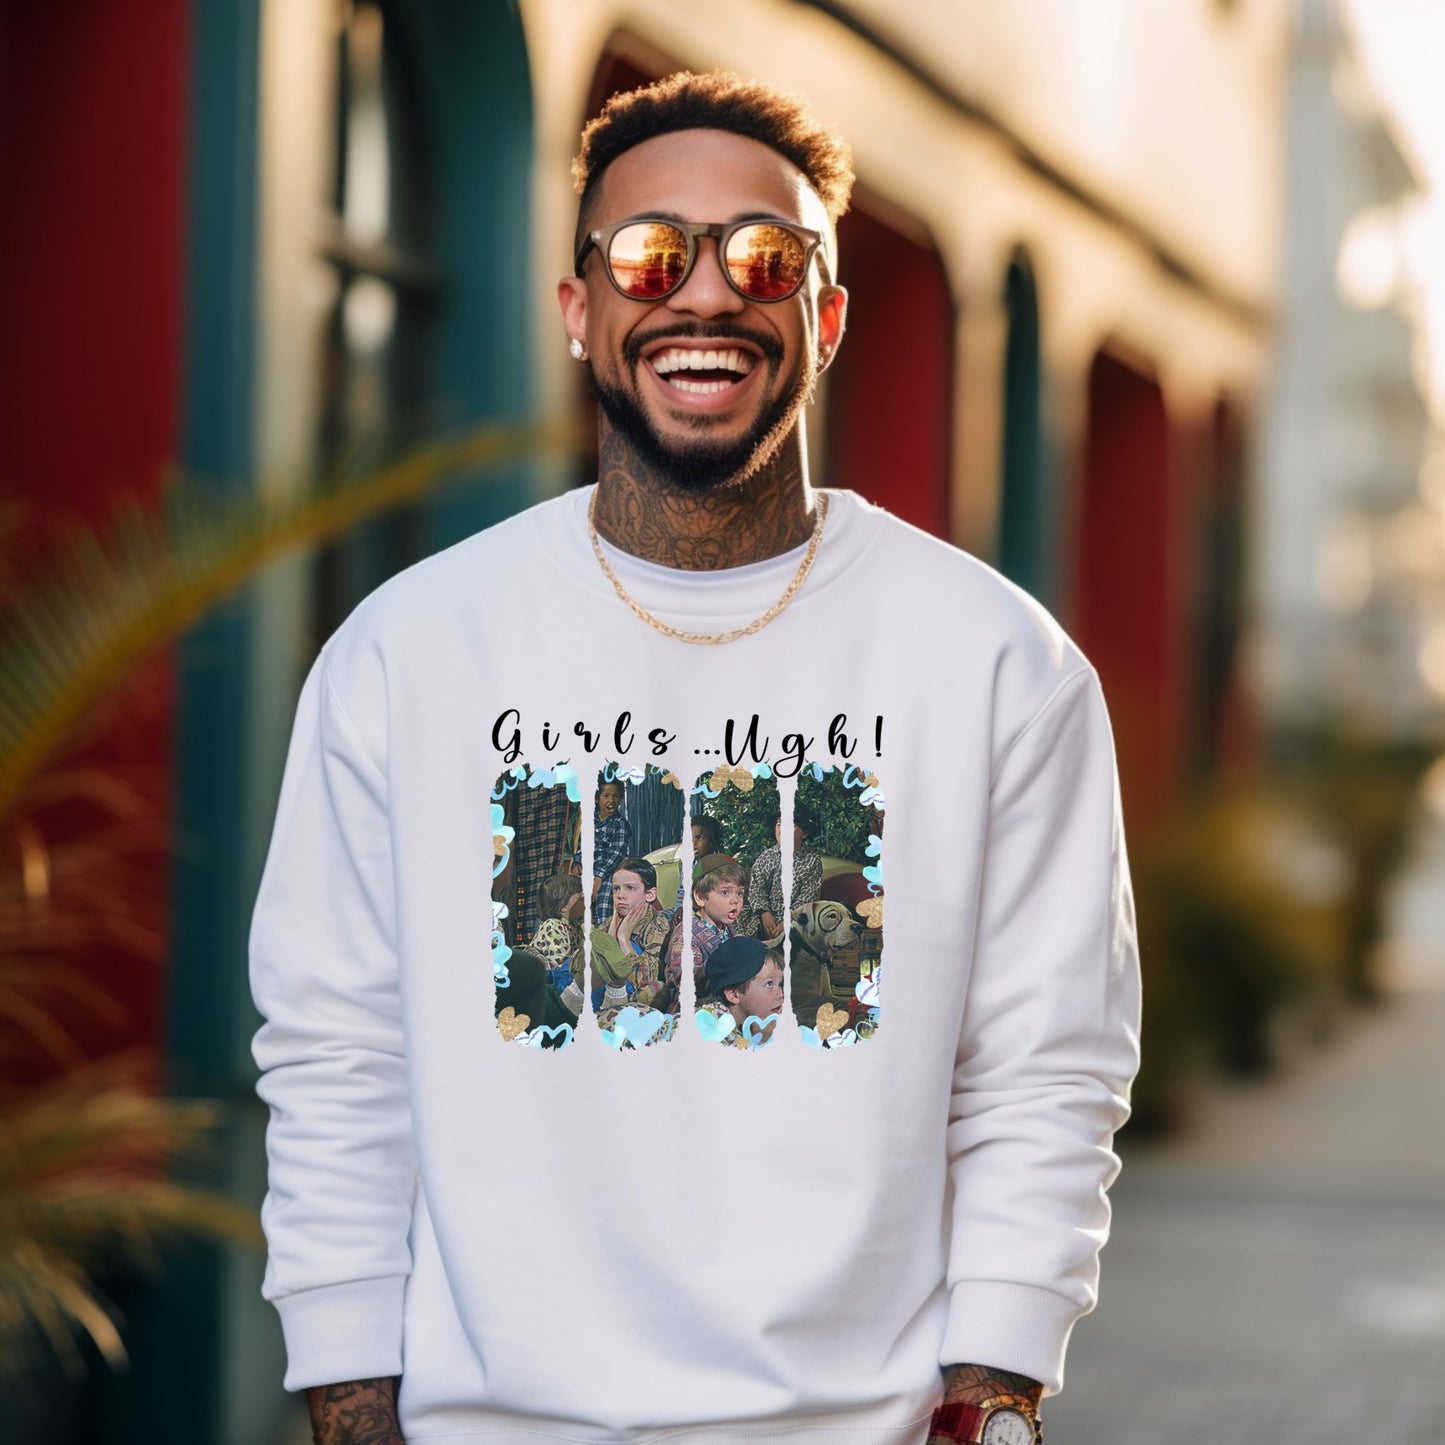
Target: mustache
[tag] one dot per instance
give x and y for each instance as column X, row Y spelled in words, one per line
column 769, row 345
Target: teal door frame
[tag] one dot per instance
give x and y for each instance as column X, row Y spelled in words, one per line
column 206, row 1350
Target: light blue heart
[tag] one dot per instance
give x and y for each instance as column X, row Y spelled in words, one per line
column 810, row 1037
column 553, row 1031
column 867, row 990
column 501, row 950
column 762, row 770
column 875, row 846
column 638, row 1027
column 844, row 1040
column 874, row 875
column 714, row 1027
column 754, row 1036
column 613, row 1038
column 668, row 1029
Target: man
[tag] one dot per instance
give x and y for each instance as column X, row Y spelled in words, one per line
column 891, row 1240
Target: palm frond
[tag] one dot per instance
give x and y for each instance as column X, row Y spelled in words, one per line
column 83, row 1188
column 91, row 615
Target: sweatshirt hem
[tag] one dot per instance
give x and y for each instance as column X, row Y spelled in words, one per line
column 802, row 1434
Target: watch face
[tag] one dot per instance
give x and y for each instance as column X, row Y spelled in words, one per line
column 1007, row 1427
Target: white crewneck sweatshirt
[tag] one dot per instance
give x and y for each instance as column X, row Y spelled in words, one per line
column 623, row 1244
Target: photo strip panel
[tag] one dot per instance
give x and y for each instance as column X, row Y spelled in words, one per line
column 835, row 904
column 633, row 894
column 537, row 905
column 734, row 948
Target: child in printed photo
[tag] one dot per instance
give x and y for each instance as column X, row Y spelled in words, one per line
column 744, row 978
column 717, row 899
column 766, row 913
column 611, row 843
column 706, row 838
column 531, row 998
column 627, row 953
column 558, row 939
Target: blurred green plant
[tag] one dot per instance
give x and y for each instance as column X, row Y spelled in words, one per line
column 85, row 1187
column 844, row 826
column 746, row 818
column 1260, row 910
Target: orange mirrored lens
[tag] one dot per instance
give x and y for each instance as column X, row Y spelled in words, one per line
column 648, row 259
column 766, row 262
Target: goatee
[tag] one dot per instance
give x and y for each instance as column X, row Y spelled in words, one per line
column 702, row 464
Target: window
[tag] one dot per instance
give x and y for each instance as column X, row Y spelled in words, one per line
column 375, row 238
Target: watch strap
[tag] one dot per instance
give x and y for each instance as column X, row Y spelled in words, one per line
column 959, row 1421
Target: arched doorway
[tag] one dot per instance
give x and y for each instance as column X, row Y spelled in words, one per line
column 1219, row 722
column 1024, row 534
column 1125, row 610
column 889, row 402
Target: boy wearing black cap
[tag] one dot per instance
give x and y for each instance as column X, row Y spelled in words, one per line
column 744, row 979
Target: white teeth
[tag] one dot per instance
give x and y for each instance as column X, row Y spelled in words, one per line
column 700, row 388
column 678, row 359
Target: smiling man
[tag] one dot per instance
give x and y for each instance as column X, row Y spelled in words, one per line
column 475, row 1239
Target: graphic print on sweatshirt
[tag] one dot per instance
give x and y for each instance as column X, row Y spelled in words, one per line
column 835, row 904
column 537, row 905
column 739, row 989
column 636, row 859
column 781, row 904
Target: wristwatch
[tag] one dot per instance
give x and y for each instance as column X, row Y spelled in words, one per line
column 1004, row 1420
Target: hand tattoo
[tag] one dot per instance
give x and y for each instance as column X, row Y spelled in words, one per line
column 975, row 1384
column 361, row 1412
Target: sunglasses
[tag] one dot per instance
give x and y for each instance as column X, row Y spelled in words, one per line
column 649, row 257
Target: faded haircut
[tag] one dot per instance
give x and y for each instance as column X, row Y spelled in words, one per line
column 716, row 100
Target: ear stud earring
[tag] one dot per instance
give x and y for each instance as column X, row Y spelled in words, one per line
column 577, row 349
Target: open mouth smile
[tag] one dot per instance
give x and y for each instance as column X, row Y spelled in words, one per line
column 693, row 373
column 702, row 372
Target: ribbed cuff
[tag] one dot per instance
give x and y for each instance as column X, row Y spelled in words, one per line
column 342, row 1332
column 1010, row 1327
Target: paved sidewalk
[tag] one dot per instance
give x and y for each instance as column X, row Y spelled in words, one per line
column 1277, row 1276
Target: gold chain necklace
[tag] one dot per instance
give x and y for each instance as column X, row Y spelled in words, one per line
column 712, row 638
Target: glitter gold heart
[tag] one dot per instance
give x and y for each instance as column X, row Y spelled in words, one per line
column 499, row 845
column 871, row 781
column 740, row 778
column 671, row 780
column 870, row 910
column 510, row 1023
column 830, row 1020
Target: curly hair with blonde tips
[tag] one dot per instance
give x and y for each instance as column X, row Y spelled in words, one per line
column 716, row 100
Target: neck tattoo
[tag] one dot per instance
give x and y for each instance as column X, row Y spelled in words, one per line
column 713, row 638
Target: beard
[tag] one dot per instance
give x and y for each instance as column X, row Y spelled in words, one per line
column 702, row 463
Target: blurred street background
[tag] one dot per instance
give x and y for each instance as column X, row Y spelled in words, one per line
column 1147, row 310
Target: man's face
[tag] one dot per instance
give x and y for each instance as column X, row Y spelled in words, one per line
column 700, row 437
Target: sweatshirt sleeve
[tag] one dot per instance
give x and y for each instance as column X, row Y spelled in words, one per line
column 1048, row 1048
column 324, row 976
